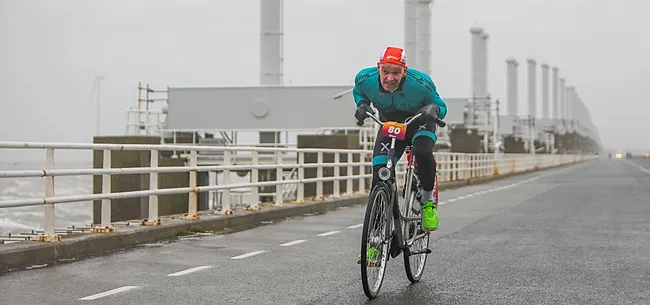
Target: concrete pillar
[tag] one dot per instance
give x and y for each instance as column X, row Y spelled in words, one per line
column 569, row 102
column 556, row 97
column 545, row 106
column 423, row 25
column 532, row 93
column 271, row 42
column 579, row 110
column 572, row 105
column 484, row 64
column 562, row 99
column 478, row 87
column 512, row 84
column 410, row 32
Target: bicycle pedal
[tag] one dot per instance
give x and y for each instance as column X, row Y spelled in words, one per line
column 427, row 251
column 395, row 253
column 370, row 264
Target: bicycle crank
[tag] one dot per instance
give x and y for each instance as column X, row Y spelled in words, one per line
column 427, row 251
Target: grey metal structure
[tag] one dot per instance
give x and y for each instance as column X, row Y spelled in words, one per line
column 274, row 106
column 262, row 107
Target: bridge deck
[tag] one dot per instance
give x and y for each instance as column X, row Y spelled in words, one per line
column 573, row 235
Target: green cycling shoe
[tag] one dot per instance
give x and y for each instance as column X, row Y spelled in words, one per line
column 371, row 254
column 429, row 216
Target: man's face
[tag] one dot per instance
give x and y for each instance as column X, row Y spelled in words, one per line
column 391, row 75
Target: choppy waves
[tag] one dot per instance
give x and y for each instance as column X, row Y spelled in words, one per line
column 25, row 219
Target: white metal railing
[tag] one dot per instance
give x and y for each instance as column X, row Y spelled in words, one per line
column 144, row 122
column 286, row 137
column 451, row 167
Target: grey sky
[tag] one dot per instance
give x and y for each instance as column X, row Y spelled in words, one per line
column 52, row 50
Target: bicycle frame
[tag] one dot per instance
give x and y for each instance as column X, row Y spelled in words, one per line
column 387, row 175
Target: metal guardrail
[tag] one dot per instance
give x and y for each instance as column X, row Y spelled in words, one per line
column 451, row 167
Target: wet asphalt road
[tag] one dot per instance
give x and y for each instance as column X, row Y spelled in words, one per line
column 577, row 235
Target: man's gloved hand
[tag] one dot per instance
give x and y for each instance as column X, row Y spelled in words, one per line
column 360, row 114
column 430, row 111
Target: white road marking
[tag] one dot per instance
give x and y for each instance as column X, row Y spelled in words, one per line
column 247, row 255
column 107, row 293
column 355, row 226
column 639, row 166
column 509, row 186
column 189, row 271
column 291, row 243
column 328, row 233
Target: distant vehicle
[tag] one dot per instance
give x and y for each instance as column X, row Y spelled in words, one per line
column 619, row 155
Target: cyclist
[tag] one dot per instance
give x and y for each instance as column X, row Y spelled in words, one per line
column 398, row 93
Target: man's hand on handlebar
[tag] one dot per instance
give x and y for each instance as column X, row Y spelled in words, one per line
column 430, row 112
column 361, row 114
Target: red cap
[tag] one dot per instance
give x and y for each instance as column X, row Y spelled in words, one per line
column 393, row 55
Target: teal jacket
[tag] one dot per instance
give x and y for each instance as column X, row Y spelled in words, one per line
column 415, row 91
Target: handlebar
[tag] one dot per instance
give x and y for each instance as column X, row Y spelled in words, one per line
column 408, row 121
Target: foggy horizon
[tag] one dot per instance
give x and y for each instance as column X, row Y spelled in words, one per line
column 53, row 51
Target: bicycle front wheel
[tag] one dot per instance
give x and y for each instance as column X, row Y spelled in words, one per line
column 374, row 240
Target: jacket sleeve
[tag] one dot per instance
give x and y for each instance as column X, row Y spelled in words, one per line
column 357, row 92
column 434, row 97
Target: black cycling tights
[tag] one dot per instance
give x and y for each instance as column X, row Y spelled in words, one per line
column 423, row 152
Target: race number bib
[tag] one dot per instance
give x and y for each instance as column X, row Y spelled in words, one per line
column 394, row 130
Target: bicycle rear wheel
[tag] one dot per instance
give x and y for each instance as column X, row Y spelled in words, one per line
column 414, row 263
column 419, row 238
column 375, row 235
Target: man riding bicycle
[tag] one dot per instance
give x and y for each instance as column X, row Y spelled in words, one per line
column 398, row 93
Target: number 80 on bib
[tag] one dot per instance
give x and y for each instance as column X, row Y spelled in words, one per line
column 394, row 130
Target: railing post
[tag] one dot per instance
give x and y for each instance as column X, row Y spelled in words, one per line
column 226, row 209
column 49, row 234
column 255, row 177
column 319, row 175
column 152, row 219
column 448, row 166
column 300, row 196
column 362, row 172
column 106, row 189
column 486, row 164
column 192, row 211
column 337, row 183
column 452, row 167
column 279, row 193
column 349, row 186
column 174, row 156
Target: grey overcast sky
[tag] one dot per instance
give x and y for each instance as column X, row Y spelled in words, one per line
column 52, row 50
